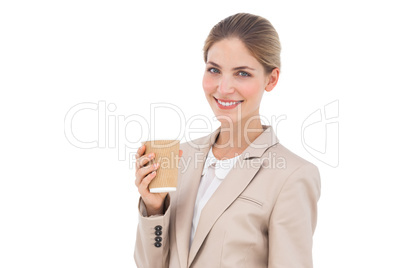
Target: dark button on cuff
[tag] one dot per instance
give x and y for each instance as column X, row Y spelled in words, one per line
column 158, row 228
column 158, row 245
column 158, row 233
column 158, row 239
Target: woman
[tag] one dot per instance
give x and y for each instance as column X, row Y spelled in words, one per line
column 242, row 199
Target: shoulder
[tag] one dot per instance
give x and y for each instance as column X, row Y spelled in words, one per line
column 285, row 168
column 195, row 145
column 297, row 170
column 286, row 159
column 191, row 145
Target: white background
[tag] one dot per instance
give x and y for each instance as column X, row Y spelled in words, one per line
column 65, row 206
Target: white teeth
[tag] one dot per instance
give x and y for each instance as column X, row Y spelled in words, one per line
column 228, row 103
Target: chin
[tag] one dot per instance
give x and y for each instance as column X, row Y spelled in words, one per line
column 224, row 119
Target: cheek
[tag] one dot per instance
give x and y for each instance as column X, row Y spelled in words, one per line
column 250, row 89
column 208, row 83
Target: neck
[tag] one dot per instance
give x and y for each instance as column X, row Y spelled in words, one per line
column 238, row 135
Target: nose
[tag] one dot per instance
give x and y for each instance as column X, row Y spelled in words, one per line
column 225, row 85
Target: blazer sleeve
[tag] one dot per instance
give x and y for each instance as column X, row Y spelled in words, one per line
column 146, row 253
column 293, row 220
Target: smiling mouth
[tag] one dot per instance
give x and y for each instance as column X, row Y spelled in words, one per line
column 228, row 104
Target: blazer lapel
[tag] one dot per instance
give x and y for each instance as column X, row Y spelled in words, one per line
column 188, row 190
column 234, row 184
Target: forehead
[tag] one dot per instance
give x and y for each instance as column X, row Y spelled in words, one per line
column 232, row 53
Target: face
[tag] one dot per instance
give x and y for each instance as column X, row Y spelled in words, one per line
column 234, row 81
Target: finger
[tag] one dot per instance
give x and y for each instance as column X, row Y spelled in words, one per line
column 143, row 186
column 145, row 171
column 180, row 153
column 138, row 154
column 143, row 160
column 140, row 151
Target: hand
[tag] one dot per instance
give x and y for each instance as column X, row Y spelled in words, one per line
column 144, row 175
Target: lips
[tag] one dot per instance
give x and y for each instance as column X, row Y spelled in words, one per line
column 227, row 104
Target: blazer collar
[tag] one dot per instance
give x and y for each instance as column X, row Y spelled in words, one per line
column 234, row 184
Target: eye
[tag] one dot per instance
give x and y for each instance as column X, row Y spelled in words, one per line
column 213, row 70
column 243, row 74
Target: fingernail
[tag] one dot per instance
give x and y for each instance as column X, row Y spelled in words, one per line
column 150, row 155
column 156, row 165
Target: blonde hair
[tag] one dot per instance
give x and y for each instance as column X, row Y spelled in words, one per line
column 257, row 34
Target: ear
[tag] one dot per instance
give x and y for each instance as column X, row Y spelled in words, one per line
column 272, row 80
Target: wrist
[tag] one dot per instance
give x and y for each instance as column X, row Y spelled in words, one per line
column 155, row 211
column 161, row 209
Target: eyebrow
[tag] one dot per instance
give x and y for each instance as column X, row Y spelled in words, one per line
column 234, row 69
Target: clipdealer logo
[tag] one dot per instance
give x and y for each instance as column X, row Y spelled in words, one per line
column 325, row 122
column 319, row 131
column 112, row 129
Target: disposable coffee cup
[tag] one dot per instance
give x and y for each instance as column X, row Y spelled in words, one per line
column 167, row 155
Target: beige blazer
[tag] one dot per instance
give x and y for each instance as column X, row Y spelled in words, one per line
column 262, row 215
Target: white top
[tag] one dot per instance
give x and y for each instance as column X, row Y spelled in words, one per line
column 212, row 176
